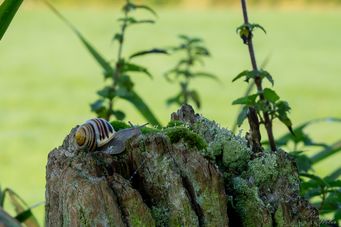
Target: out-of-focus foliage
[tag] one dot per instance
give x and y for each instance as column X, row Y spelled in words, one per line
column 8, row 9
column 203, row 2
column 23, row 212
column 323, row 192
column 194, row 52
column 120, row 84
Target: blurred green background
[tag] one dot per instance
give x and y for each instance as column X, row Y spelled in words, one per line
column 48, row 79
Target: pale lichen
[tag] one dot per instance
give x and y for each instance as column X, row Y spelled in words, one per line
column 264, row 169
column 224, row 144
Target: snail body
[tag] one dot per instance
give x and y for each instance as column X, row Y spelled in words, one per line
column 94, row 133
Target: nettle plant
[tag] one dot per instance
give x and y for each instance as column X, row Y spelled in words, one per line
column 118, row 76
column 265, row 105
column 194, row 52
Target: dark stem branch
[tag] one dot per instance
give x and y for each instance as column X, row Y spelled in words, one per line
column 258, row 81
column 119, row 65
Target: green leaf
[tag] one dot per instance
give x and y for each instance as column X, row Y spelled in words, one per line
column 147, row 8
column 97, row 105
column 95, row 54
column 132, row 21
column 195, row 97
column 176, row 99
column 326, row 152
column 248, row 100
column 258, row 26
column 270, row 95
column 107, row 92
column 140, row 105
column 315, row 178
column 120, row 115
column 23, row 216
column 125, row 84
column 300, row 135
column 131, row 6
column 282, row 107
column 248, row 74
column 265, row 74
column 242, row 115
column 118, row 37
column 286, row 121
column 152, row 51
column 204, row 74
column 240, row 75
column 99, row 108
column 8, row 9
column 129, row 67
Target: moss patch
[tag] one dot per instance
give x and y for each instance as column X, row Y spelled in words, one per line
column 264, row 169
column 118, row 125
column 249, row 206
column 175, row 134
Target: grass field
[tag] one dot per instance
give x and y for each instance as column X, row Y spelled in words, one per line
column 48, row 79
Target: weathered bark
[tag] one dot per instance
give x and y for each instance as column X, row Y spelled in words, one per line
column 165, row 179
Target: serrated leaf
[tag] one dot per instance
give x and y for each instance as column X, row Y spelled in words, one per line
column 270, row 95
column 95, row 54
column 152, row 51
column 8, row 9
column 141, row 106
column 130, row 67
column 240, row 75
column 248, row 100
column 242, row 116
column 247, row 74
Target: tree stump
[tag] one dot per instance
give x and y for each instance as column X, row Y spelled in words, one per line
column 192, row 173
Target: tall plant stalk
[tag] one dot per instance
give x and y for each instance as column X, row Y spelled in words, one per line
column 258, row 81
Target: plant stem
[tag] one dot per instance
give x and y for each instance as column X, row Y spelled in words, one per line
column 118, row 67
column 258, row 82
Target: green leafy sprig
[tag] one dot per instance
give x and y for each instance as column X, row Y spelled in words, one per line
column 186, row 69
column 120, row 85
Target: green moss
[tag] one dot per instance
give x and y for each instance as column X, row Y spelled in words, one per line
column 148, row 130
column 175, row 123
column 175, row 134
column 249, row 206
column 264, row 169
column 223, row 143
column 279, row 219
column 118, row 125
column 160, row 215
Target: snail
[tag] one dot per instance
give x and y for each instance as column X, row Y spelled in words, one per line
column 94, row 133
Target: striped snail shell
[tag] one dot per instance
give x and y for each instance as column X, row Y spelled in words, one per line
column 94, row 133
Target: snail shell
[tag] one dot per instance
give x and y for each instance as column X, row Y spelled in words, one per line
column 94, row 133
